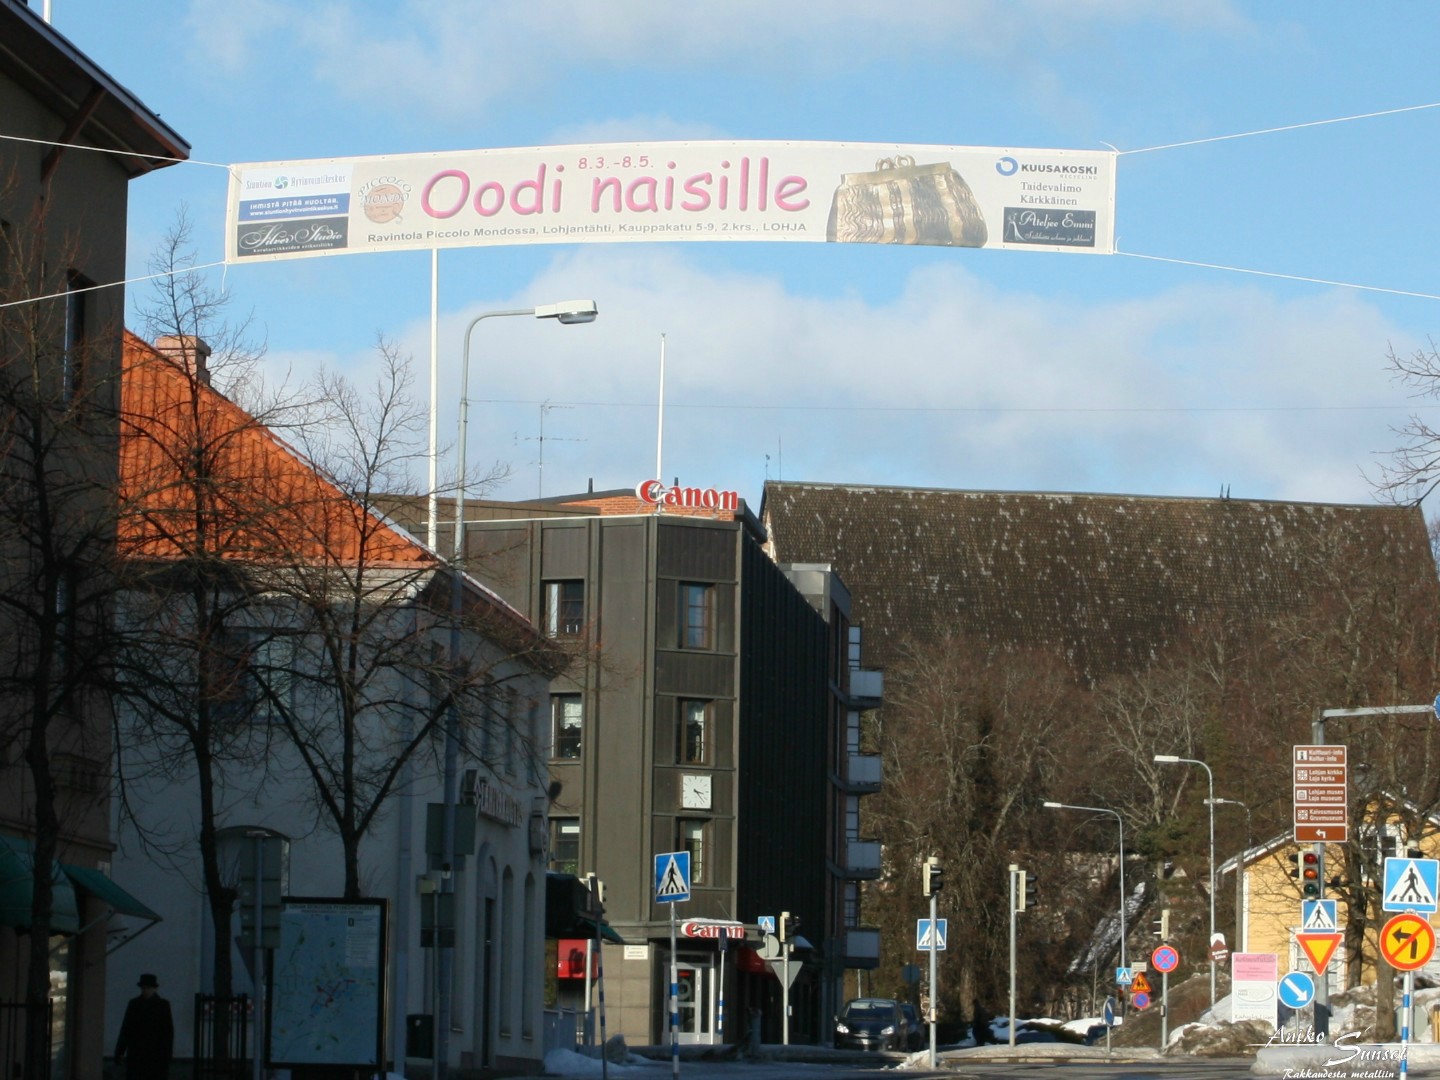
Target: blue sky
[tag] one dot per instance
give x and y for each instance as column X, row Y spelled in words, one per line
column 1138, row 372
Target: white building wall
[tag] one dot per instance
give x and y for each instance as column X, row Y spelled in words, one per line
column 163, row 866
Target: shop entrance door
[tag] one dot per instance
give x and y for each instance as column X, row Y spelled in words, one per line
column 696, row 994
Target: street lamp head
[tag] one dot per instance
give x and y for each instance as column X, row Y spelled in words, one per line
column 1166, row 759
column 1053, row 805
column 569, row 312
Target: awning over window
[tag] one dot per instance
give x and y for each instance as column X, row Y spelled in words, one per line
column 750, row 961
column 17, row 889
column 102, row 888
column 607, row 932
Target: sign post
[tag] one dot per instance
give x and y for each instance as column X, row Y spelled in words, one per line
column 1165, row 959
column 1407, row 942
column 672, row 886
column 1321, row 802
column 1321, row 816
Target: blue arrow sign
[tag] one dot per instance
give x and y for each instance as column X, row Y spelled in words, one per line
column 1297, row 990
column 672, row 877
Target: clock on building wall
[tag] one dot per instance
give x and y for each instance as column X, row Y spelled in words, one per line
column 695, row 791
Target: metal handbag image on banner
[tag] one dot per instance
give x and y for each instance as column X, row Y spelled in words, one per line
column 904, row 203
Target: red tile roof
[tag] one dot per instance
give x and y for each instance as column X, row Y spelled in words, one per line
column 262, row 502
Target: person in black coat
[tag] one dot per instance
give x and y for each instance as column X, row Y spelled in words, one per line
column 147, row 1034
column 980, row 1025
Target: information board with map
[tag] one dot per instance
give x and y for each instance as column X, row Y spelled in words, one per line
column 327, row 984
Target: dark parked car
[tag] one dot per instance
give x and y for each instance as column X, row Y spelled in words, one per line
column 916, row 1033
column 870, row 1024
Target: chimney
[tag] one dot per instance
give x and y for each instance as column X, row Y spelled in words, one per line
column 189, row 351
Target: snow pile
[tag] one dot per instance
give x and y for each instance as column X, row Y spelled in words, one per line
column 569, row 1063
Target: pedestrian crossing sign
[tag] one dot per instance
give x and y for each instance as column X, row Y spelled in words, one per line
column 672, row 877
column 930, row 937
column 1410, row 885
column 1317, row 916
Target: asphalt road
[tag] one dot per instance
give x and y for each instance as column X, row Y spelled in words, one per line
column 1090, row 1069
column 818, row 1064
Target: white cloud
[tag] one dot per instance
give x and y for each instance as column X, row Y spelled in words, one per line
column 952, row 383
column 454, row 58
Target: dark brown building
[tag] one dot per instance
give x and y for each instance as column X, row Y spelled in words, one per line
column 712, row 708
column 74, row 140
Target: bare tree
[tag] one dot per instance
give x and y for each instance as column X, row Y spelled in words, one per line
column 972, row 737
column 57, row 518
column 368, row 616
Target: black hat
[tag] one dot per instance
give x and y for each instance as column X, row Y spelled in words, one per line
column 148, row 980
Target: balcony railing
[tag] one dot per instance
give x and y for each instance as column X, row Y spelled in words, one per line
column 867, row 688
column 862, row 774
column 862, row 859
column 862, row 947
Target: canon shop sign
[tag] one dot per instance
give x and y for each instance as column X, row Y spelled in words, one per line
column 657, row 493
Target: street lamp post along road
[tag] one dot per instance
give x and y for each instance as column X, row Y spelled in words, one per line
column 567, row 312
column 1242, row 932
column 1171, row 759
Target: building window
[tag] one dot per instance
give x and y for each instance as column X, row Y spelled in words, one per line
column 566, row 714
column 697, row 616
column 565, row 845
column 691, row 835
column 489, row 721
column 694, row 732
column 273, row 665
column 564, row 608
column 72, row 356
column 509, row 729
column 65, row 624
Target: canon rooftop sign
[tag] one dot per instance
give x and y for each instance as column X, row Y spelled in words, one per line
column 656, row 493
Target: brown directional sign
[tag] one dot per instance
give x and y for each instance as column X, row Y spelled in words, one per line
column 1321, row 794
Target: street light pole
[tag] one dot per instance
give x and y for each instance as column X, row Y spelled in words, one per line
column 1171, row 759
column 1242, row 930
column 572, row 311
column 1121, row 822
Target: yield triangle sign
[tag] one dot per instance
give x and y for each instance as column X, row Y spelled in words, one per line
column 1319, row 948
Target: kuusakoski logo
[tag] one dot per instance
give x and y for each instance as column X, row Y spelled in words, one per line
column 1007, row 166
column 383, row 198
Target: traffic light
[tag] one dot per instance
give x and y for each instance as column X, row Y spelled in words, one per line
column 789, row 926
column 596, row 888
column 1309, row 875
column 932, row 876
column 1162, row 925
column 1028, row 881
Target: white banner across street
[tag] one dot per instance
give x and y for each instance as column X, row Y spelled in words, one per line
column 878, row 193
